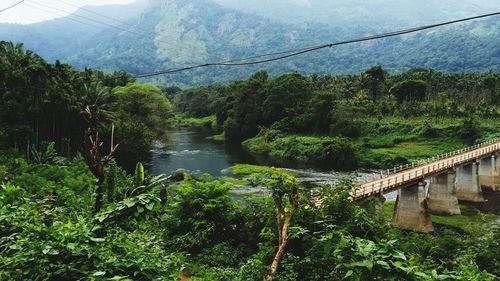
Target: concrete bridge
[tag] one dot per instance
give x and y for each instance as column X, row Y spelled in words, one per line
column 436, row 184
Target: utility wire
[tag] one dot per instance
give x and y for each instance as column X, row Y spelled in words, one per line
column 296, row 52
column 95, row 21
column 101, row 15
column 75, row 5
column 83, row 17
column 12, row 6
column 62, row 16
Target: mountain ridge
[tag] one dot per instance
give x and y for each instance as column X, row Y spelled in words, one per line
column 185, row 32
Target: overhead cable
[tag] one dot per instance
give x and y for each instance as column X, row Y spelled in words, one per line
column 296, row 52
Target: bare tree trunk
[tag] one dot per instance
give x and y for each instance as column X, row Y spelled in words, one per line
column 284, row 186
column 282, row 243
column 99, row 195
column 95, row 160
column 276, row 261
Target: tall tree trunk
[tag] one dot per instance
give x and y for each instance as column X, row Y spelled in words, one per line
column 99, row 195
column 282, row 186
column 284, row 219
column 276, row 261
column 95, row 160
column 283, row 242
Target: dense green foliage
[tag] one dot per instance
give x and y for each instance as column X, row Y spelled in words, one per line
column 161, row 228
column 347, row 121
column 333, row 152
column 142, row 111
column 43, row 102
column 164, row 227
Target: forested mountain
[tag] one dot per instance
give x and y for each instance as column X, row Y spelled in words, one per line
column 380, row 14
column 177, row 33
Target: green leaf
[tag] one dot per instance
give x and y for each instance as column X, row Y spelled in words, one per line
column 423, row 275
column 47, row 249
column 99, row 273
column 95, row 239
column 399, row 255
column 348, row 273
column 366, row 263
column 102, row 218
column 384, row 264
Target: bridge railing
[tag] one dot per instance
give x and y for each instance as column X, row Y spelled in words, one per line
column 427, row 168
column 421, row 162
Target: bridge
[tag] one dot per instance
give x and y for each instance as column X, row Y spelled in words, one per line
column 435, row 185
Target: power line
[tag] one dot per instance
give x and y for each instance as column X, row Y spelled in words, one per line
column 63, row 16
column 74, row 4
column 101, row 15
column 83, row 17
column 296, row 52
column 12, row 6
column 95, row 21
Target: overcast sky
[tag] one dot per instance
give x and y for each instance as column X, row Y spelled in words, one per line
column 26, row 13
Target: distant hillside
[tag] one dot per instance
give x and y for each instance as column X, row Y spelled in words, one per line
column 381, row 14
column 184, row 32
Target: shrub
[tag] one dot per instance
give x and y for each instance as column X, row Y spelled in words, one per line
column 201, row 215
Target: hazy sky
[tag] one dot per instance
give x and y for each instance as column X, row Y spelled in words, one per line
column 31, row 10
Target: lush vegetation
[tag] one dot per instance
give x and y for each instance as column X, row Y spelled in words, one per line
column 72, row 209
column 372, row 119
column 159, row 228
column 43, row 102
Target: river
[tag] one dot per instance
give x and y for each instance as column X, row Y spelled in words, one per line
column 193, row 151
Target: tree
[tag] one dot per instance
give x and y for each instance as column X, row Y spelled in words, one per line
column 143, row 103
column 286, row 96
column 471, row 129
column 321, row 105
column 142, row 112
column 375, row 77
column 95, row 114
column 285, row 193
column 492, row 84
column 409, row 90
column 246, row 115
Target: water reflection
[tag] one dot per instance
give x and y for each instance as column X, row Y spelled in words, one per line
column 195, row 152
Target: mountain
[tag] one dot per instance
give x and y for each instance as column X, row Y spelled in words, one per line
column 176, row 33
column 62, row 37
column 361, row 13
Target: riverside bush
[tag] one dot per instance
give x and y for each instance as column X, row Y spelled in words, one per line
column 333, row 152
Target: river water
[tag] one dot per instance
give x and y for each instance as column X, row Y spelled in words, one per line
column 193, row 151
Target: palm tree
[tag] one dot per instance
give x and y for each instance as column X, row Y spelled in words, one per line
column 95, row 113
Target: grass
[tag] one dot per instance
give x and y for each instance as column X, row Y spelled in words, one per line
column 234, row 181
column 417, row 121
column 407, row 151
column 219, row 137
column 248, row 169
column 257, row 145
column 204, row 122
column 470, row 221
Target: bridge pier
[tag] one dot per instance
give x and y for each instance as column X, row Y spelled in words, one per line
column 467, row 186
column 489, row 173
column 442, row 199
column 411, row 209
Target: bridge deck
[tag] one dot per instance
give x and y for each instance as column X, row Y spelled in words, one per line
column 408, row 175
